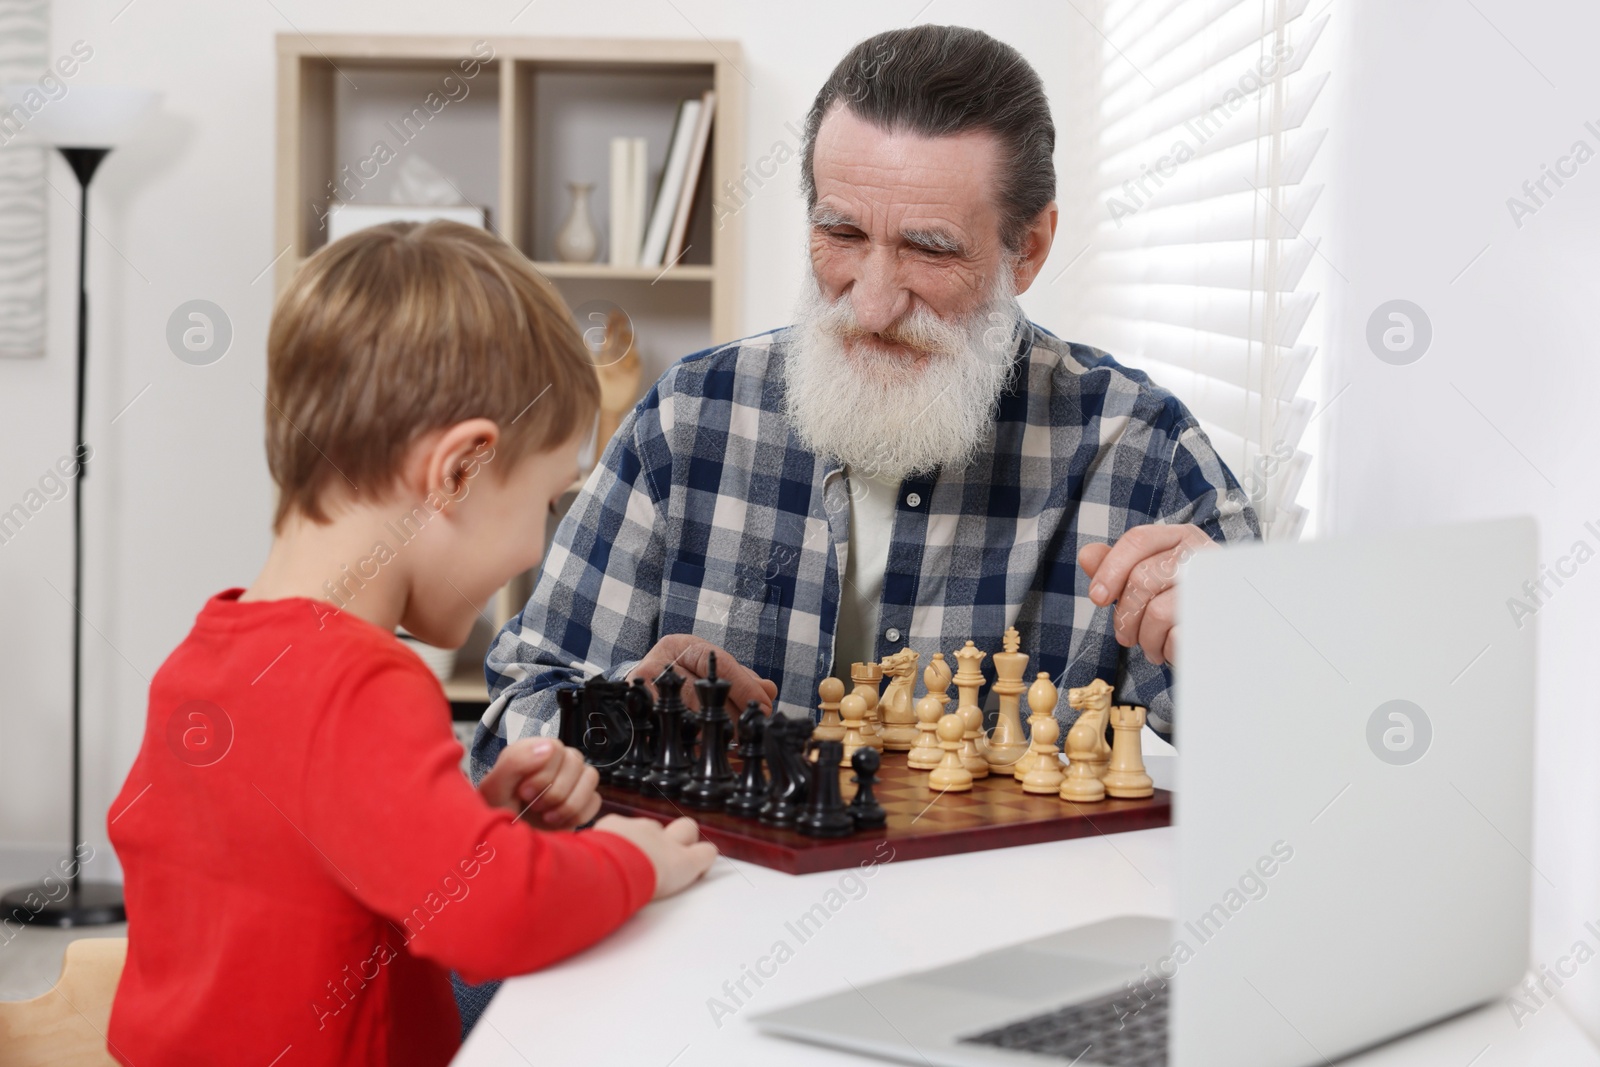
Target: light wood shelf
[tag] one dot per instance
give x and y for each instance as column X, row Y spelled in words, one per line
column 692, row 272
column 316, row 71
column 311, row 68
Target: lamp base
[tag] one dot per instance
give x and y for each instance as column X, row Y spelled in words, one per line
column 90, row 904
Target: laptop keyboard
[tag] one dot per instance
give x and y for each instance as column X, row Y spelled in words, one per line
column 1125, row 1029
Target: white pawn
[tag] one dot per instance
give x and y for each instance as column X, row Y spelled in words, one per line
column 951, row 776
column 926, row 754
column 831, row 728
column 972, row 731
column 854, row 711
column 1045, row 776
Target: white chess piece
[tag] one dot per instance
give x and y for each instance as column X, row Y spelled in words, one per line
column 1045, row 776
column 854, row 711
column 1006, row 744
column 831, row 728
column 1041, row 706
column 972, row 729
column 1082, row 782
column 951, row 776
column 1125, row 776
column 926, row 754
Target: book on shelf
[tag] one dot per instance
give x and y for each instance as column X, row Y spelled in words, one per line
column 665, row 205
column 628, row 158
column 697, row 154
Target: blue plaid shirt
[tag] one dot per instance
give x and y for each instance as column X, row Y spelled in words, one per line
column 707, row 516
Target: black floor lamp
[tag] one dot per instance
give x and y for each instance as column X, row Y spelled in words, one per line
column 83, row 126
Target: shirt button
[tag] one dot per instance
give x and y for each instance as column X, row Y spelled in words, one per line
column 913, row 500
column 891, row 634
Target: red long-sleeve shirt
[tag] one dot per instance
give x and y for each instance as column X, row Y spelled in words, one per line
column 304, row 860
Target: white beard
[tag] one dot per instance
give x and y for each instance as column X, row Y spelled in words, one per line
column 877, row 411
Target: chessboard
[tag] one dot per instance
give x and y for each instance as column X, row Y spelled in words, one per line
column 778, row 803
column 922, row 822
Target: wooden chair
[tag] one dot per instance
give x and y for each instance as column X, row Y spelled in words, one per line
column 66, row 1027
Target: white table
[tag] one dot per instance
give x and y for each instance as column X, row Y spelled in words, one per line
column 643, row 997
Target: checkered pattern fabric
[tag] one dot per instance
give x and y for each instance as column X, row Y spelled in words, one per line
column 707, row 516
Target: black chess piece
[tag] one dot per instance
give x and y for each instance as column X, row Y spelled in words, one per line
column 569, row 730
column 630, row 773
column 643, row 690
column 750, row 788
column 713, row 695
column 799, row 742
column 689, row 735
column 865, row 811
column 669, row 771
column 593, row 724
column 787, row 787
column 712, row 778
column 825, row 814
column 606, row 729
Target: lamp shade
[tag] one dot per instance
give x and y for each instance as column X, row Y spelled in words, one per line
column 84, row 116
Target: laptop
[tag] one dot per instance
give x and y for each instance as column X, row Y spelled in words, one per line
column 1353, row 821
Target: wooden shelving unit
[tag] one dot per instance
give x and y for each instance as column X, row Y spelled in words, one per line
column 536, row 112
column 604, row 271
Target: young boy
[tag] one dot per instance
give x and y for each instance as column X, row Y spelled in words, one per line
column 304, row 860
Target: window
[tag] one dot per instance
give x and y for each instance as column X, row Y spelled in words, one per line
column 1197, row 268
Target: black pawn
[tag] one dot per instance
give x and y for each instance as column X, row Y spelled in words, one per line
column 669, row 770
column 630, row 773
column 750, row 788
column 825, row 814
column 712, row 779
column 865, row 810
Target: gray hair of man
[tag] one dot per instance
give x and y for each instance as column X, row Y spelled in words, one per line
column 938, row 81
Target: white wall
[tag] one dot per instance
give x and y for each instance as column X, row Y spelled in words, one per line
column 178, row 499
column 1444, row 120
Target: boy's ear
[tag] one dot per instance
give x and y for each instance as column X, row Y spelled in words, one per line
column 443, row 463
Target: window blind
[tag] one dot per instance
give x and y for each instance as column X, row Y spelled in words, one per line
column 1204, row 137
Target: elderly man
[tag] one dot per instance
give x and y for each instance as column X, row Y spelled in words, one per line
column 912, row 462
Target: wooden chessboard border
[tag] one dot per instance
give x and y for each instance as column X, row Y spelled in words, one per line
column 911, row 834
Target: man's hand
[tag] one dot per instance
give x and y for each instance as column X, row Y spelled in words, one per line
column 544, row 783
column 687, row 655
column 1139, row 573
column 674, row 850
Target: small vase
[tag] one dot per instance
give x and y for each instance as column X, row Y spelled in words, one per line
column 577, row 242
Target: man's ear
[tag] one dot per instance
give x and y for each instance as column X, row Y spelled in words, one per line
column 443, row 463
column 1036, row 246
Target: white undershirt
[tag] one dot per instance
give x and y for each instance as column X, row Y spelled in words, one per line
column 872, row 510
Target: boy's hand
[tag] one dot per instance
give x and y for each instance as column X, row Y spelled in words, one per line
column 674, row 850
column 544, row 783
